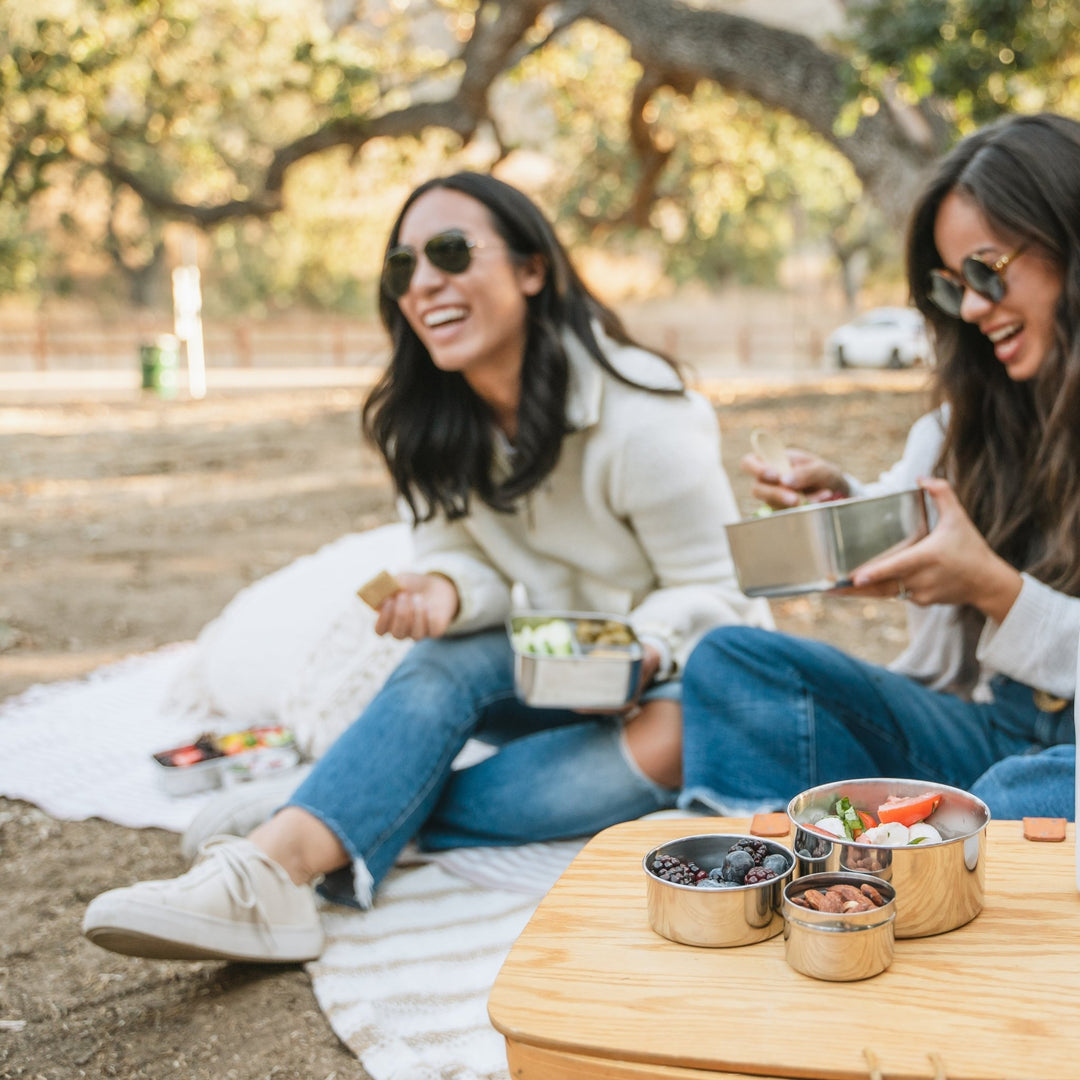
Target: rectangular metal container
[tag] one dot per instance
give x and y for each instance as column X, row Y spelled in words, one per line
column 591, row 677
column 816, row 547
column 229, row 766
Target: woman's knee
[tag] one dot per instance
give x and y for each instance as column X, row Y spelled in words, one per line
column 1031, row 785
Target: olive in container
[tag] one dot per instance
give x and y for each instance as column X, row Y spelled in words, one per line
column 574, row 659
column 817, row 546
column 733, row 907
column 939, row 884
column 839, row 926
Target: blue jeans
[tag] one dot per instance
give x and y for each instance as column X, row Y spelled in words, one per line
column 388, row 779
column 766, row 715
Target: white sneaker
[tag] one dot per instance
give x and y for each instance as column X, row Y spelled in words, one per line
column 237, row 810
column 235, row 903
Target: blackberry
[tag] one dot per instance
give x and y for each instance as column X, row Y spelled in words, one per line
column 756, row 849
column 757, row 874
column 668, row 868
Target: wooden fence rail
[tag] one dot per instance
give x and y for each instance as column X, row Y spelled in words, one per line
column 54, row 343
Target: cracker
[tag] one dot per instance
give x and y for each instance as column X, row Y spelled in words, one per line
column 382, row 586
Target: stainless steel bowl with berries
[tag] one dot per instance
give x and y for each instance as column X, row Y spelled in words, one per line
column 927, row 840
column 717, row 889
column 839, row 926
column 816, row 546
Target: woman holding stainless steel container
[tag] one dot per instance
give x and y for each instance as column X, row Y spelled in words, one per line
column 532, row 442
column 982, row 697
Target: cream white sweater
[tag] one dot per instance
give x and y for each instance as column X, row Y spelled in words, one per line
column 1037, row 642
column 630, row 521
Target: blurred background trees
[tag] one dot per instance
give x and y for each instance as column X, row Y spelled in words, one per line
column 673, row 140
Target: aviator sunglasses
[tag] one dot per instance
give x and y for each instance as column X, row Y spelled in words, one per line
column 985, row 278
column 449, row 251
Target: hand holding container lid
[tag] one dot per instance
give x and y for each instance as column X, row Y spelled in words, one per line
column 817, row 546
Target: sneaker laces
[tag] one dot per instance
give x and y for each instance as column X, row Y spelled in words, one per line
column 234, row 861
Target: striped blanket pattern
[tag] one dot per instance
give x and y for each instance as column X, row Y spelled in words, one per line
column 403, row 985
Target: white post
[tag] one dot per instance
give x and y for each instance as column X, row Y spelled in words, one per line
column 187, row 310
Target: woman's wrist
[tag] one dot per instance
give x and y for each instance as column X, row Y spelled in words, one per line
column 657, row 663
column 1001, row 587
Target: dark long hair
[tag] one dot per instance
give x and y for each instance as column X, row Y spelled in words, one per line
column 435, row 433
column 1012, row 449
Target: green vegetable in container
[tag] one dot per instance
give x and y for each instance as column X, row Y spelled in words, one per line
column 552, row 638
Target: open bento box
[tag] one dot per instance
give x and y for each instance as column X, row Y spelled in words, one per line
column 815, row 547
column 574, row 659
column 215, row 760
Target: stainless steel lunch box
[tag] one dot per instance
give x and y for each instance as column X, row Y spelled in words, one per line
column 714, row 918
column 938, row 886
column 816, row 547
column 841, row 946
column 224, row 768
column 591, row 677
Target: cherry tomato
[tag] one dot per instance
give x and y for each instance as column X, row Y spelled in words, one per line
column 909, row 810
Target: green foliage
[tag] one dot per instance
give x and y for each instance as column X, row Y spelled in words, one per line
column 741, row 183
column 979, row 57
column 116, row 114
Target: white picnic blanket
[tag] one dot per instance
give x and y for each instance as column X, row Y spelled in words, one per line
column 404, row 985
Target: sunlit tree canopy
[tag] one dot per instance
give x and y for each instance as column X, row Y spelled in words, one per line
column 287, row 131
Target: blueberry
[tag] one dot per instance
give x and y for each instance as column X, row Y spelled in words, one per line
column 717, row 873
column 736, row 864
column 778, row 864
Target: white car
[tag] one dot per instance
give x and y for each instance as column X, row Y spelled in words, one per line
column 885, row 337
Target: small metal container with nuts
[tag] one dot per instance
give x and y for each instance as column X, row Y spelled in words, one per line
column 839, row 926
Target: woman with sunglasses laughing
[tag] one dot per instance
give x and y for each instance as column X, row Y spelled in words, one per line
column 982, row 698
column 533, row 445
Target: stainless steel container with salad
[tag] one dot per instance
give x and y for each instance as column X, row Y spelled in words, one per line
column 815, row 547
column 574, row 659
column 717, row 890
column 839, row 926
column 927, row 840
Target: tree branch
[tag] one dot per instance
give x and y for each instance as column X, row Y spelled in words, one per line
column 784, row 70
column 499, row 29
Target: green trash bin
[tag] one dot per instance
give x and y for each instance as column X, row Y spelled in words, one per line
column 160, row 365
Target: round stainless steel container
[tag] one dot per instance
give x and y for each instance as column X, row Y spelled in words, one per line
column 714, row 918
column 939, row 886
column 839, row 946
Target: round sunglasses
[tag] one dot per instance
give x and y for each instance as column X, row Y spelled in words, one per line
column 985, row 278
column 449, row 251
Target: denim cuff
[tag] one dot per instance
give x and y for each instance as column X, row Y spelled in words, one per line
column 701, row 799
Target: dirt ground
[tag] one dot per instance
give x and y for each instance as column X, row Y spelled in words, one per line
column 126, row 524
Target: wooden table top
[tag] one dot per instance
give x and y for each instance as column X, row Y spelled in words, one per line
column 590, row 990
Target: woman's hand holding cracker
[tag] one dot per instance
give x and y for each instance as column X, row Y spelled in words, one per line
column 424, row 606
